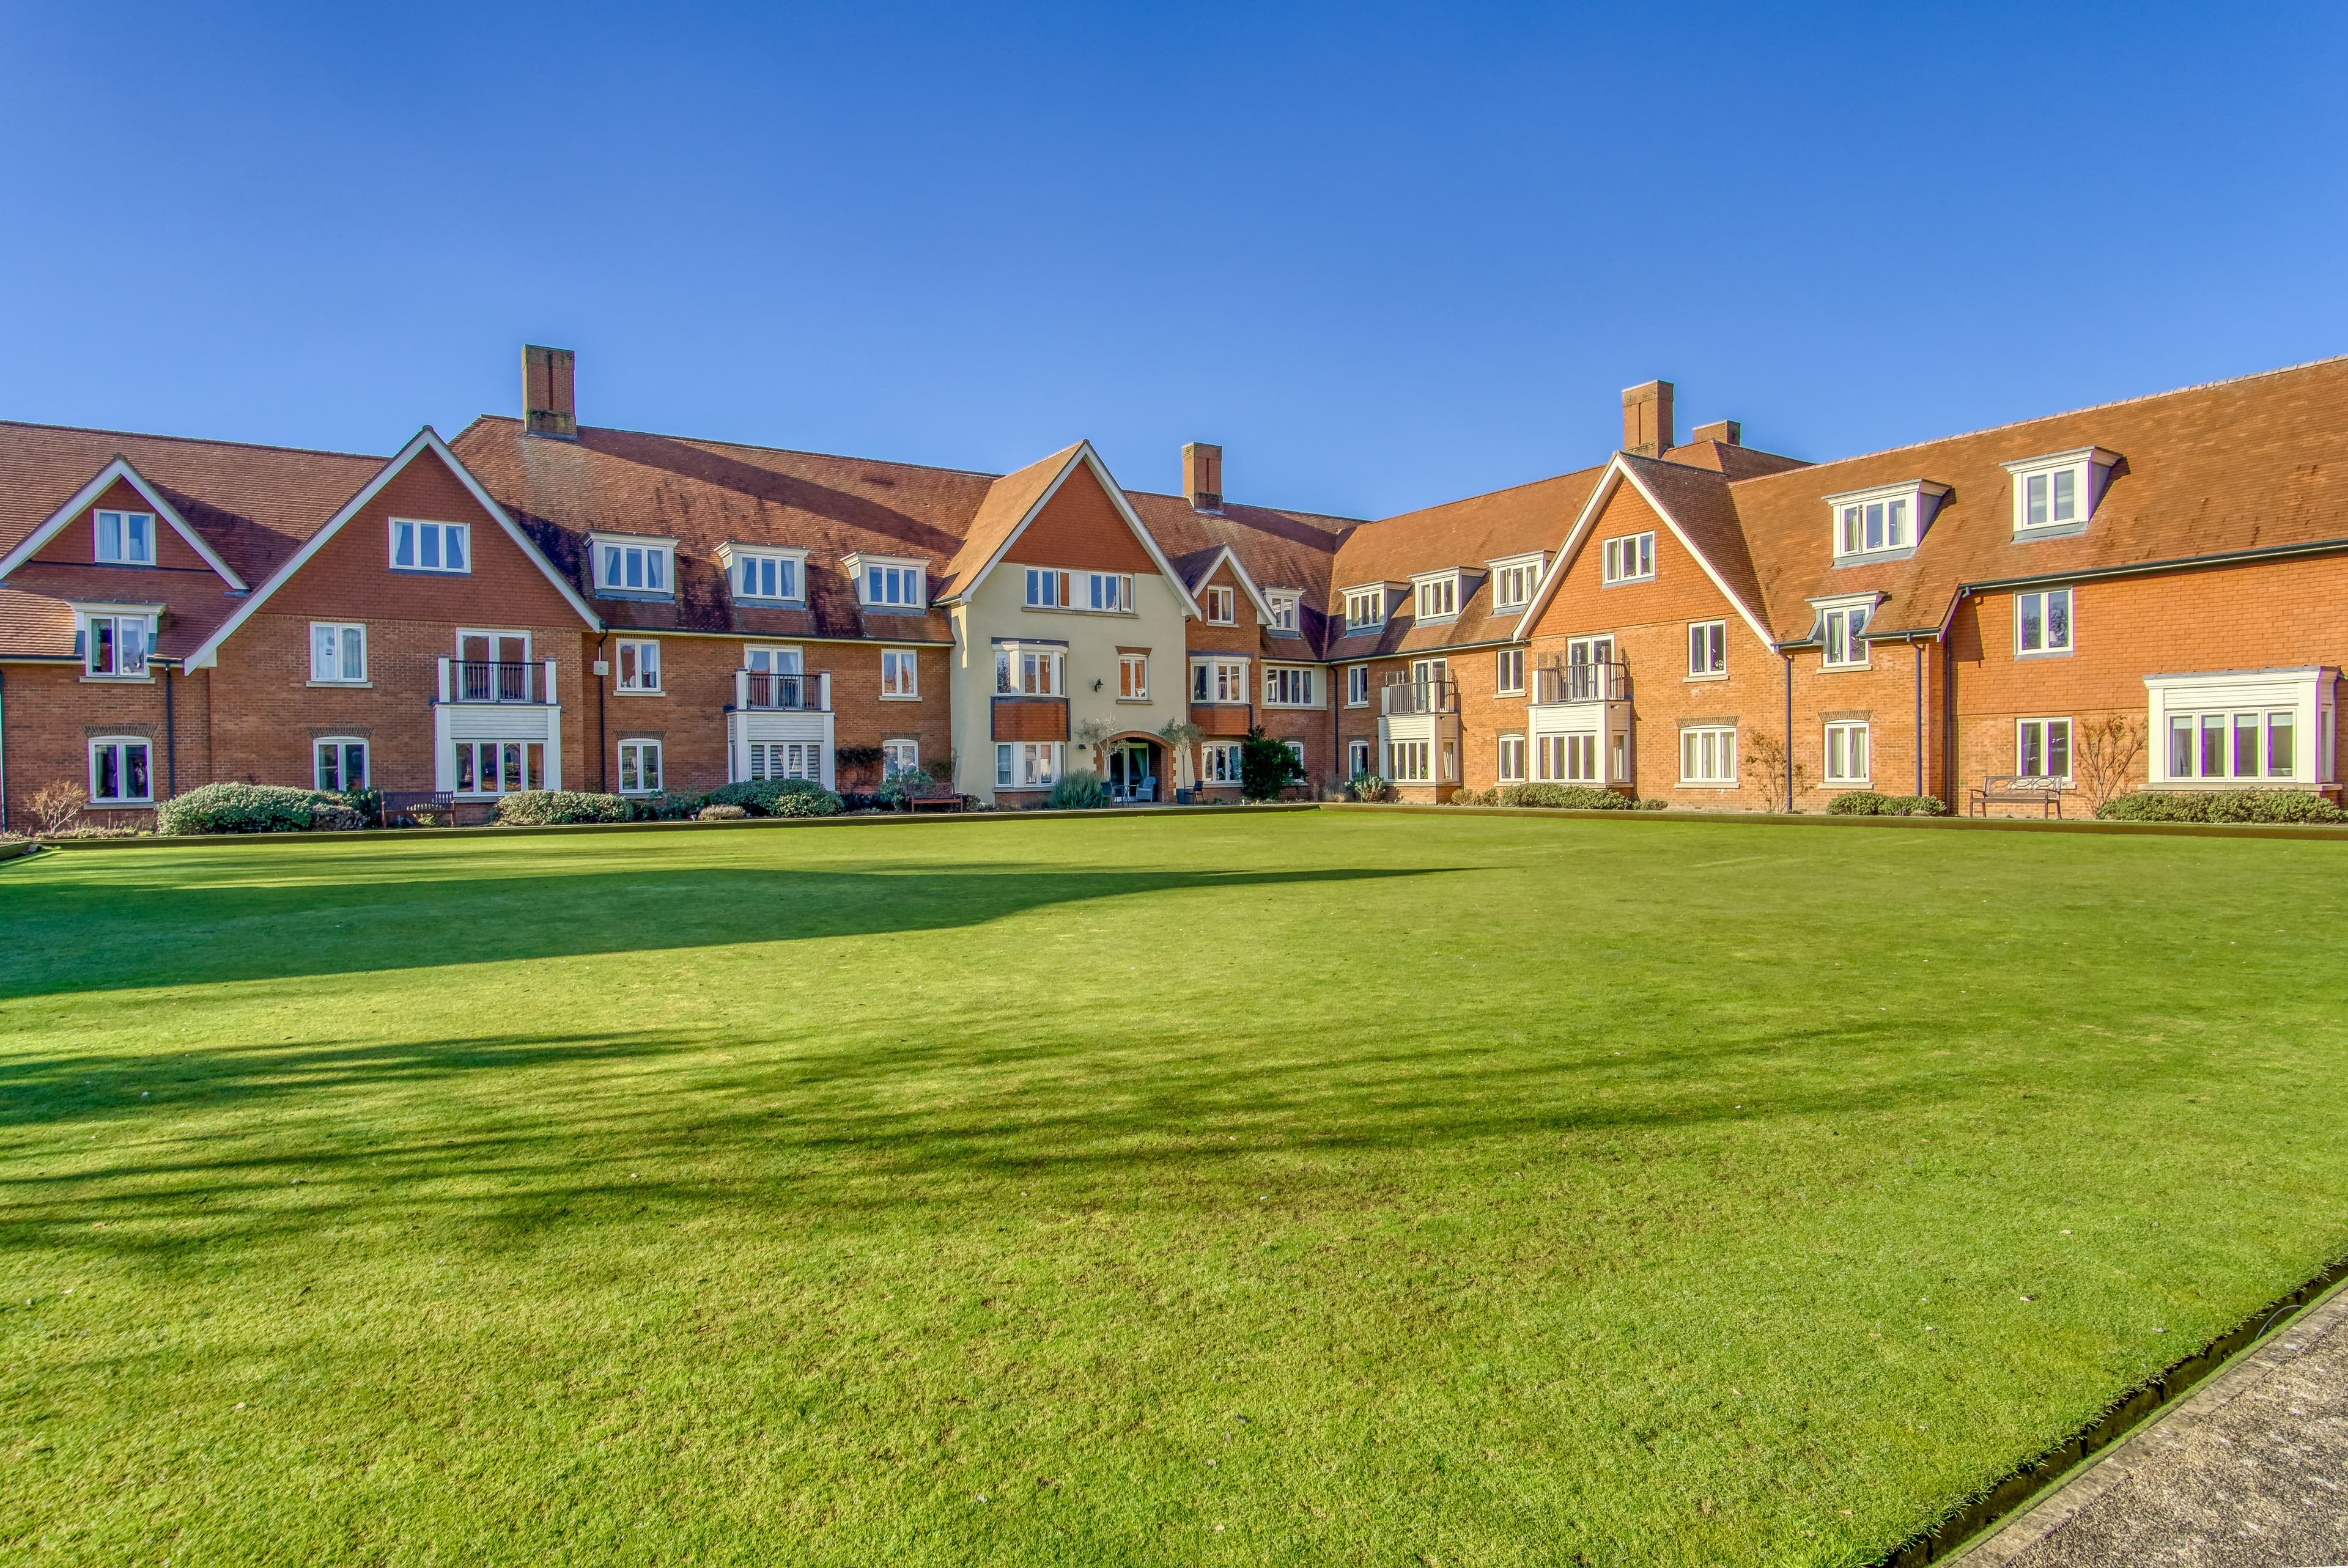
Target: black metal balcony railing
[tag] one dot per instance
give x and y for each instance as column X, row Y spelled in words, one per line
column 1599, row 683
column 1400, row 697
column 482, row 681
column 768, row 692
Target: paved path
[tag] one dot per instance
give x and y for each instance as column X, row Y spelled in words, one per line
column 2251, row 1470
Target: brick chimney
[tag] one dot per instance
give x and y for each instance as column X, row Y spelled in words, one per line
column 1647, row 419
column 1202, row 475
column 1727, row 431
column 549, row 404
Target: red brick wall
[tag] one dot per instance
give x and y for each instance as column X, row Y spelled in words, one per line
column 52, row 713
column 1080, row 528
column 76, row 544
column 1243, row 635
column 1031, row 718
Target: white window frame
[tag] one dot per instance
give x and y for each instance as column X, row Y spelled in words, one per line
column 1508, row 763
column 121, row 746
column 122, row 526
column 342, row 745
column 1108, row 593
column 1836, row 626
column 1222, row 606
column 1361, row 757
column 1884, row 523
column 1357, row 685
column 1508, row 672
column 2045, row 600
column 613, row 557
column 1707, row 649
column 115, row 617
column 1515, row 579
column 1027, row 764
column 2039, row 735
column 440, row 534
column 1628, row 557
column 1289, row 680
column 637, row 647
column 740, row 559
column 1215, row 679
column 532, row 777
column 641, row 748
column 1219, row 764
column 1435, row 596
column 1285, row 611
column 1133, row 677
column 2038, row 487
column 1410, row 762
column 1845, row 740
column 1711, row 745
column 786, row 760
column 1365, row 609
column 900, row 755
column 340, row 636
column 1047, row 588
column 901, row 675
column 878, row 577
column 1017, row 662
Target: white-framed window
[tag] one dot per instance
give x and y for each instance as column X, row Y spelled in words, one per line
column 1871, row 525
column 900, row 756
column 1364, row 608
column 1283, row 605
column 1046, row 588
column 1360, row 758
column 1438, row 597
column 1630, row 557
column 1514, row 582
column 338, row 762
column 2042, row 749
column 1288, row 688
column 769, row 576
column 2240, row 744
column 1219, row 681
column 116, row 645
column 1566, row 758
column 640, row 767
column 1028, row 671
column 337, row 653
column 500, row 767
column 1218, row 763
column 1511, row 677
column 893, row 585
column 1027, row 764
column 2058, row 490
column 431, row 547
column 625, row 565
column 1708, row 647
column 1133, row 677
column 1410, row 762
column 1512, row 759
column 1846, row 748
column 786, row 760
column 119, row 773
column 1357, row 685
column 123, row 538
column 1708, row 755
column 2041, row 621
column 1845, row 647
column 900, row 673
column 1108, row 591
column 638, row 662
column 1222, row 606
column 1296, row 750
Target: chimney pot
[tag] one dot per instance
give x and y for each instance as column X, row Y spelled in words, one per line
column 1647, row 419
column 1202, row 475
column 550, row 400
column 1727, row 431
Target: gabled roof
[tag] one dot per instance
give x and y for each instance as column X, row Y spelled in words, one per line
column 118, row 471
column 990, row 541
column 1195, row 568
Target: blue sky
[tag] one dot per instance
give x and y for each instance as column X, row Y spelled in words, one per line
column 1385, row 257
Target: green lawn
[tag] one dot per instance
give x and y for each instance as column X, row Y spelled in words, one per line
column 1308, row 1188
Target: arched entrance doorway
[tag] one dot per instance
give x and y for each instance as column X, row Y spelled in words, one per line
column 1133, row 768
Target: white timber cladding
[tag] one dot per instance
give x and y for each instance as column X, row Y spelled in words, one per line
column 2229, row 728
column 1604, row 728
column 758, row 727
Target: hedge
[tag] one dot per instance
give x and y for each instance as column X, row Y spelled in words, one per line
column 1579, row 797
column 1867, row 803
column 776, row 797
column 2220, row 805
column 241, row 808
column 547, row 807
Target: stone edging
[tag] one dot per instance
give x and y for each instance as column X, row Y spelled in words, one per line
column 1939, row 824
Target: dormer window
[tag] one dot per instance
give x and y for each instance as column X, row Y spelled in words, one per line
column 760, row 575
column 126, row 539
column 1283, row 603
column 115, row 639
column 633, row 565
column 890, row 585
column 1438, row 596
column 1884, row 523
column 1365, row 609
column 1515, row 579
column 2058, row 492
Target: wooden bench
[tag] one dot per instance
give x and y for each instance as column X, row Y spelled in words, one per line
column 2015, row 789
column 419, row 808
column 933, row 802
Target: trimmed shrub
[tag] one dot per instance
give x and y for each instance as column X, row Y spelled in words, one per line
column 723, row 814
column 776, row 797
column 550, row 807
column 1575, row 797
column 1267, row 766
column 2220, row 805
column 240, row 808
column 1078, row 791
column 1654, row 803
column 1472, row 797
column 1368, row 787
column 666, row 807
column 1867, row 803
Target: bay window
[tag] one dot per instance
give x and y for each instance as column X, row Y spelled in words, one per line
column 1027, row 764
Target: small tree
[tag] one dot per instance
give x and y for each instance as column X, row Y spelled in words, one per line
column 1267, row 766
column 1180, row 735
column 2104, row 755
column 1766, row 754
column 57, row 807
column 1095, row 733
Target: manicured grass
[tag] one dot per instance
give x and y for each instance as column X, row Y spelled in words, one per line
column 1295, row 1189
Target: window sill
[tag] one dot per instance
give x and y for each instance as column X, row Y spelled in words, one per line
column 770, row 603
column 638, row 692
column 636, row 596
column 1707, row 783
column 2044, row 653
column 1140, row 701
column 1715, row 675
column 1874, row 558
column 1627, row 581
column 901, row 696
column 1847, row 783
column 344, row 685
column 1081, row 609
column 1839, row 669
column 893, row 609
column 429, row 571
column 1505, row 691
column 90, row 680
column 2023, row 531
column 120, row 804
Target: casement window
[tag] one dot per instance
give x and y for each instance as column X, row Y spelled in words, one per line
column 1027, row 764
column 125, row 538
column 1510, row 677
column 1438, row 597
column 1846, row 648
column 786, row 760
column 1512, row 759
column 1288, row 688
column 640, row 767
column 1566, row 758
column 1365, row 608
column 1514, row 584
column 117, row 645
column 1219, row 681
column 1357, row 686
column 1846, row 758
column 1708, row 755
column 2058, row 491
column 119, row 773
column 1222, row 606
column 1630, row 557
column 2233, row 745
column 338, row 762
column 500, row 767
column 1296, row 750
column 891, row 587
column 1283, row 612
column 1218, row 763
column 1046, row 588
column 2041, row 621
column 764, row 575
column 1360, row 756
column 1410, row 762
column 1708, row 647
column 431, row 547
column 2042, row 749
column 900, row 677
column 1108, row 591
column 900, row 757
column 639, row 664
column 337, row 654
column 1871, row 525
column 1028, row 672
column 1132, row 677
column 632, row 566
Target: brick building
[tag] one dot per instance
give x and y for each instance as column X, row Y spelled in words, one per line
column 542, row 603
